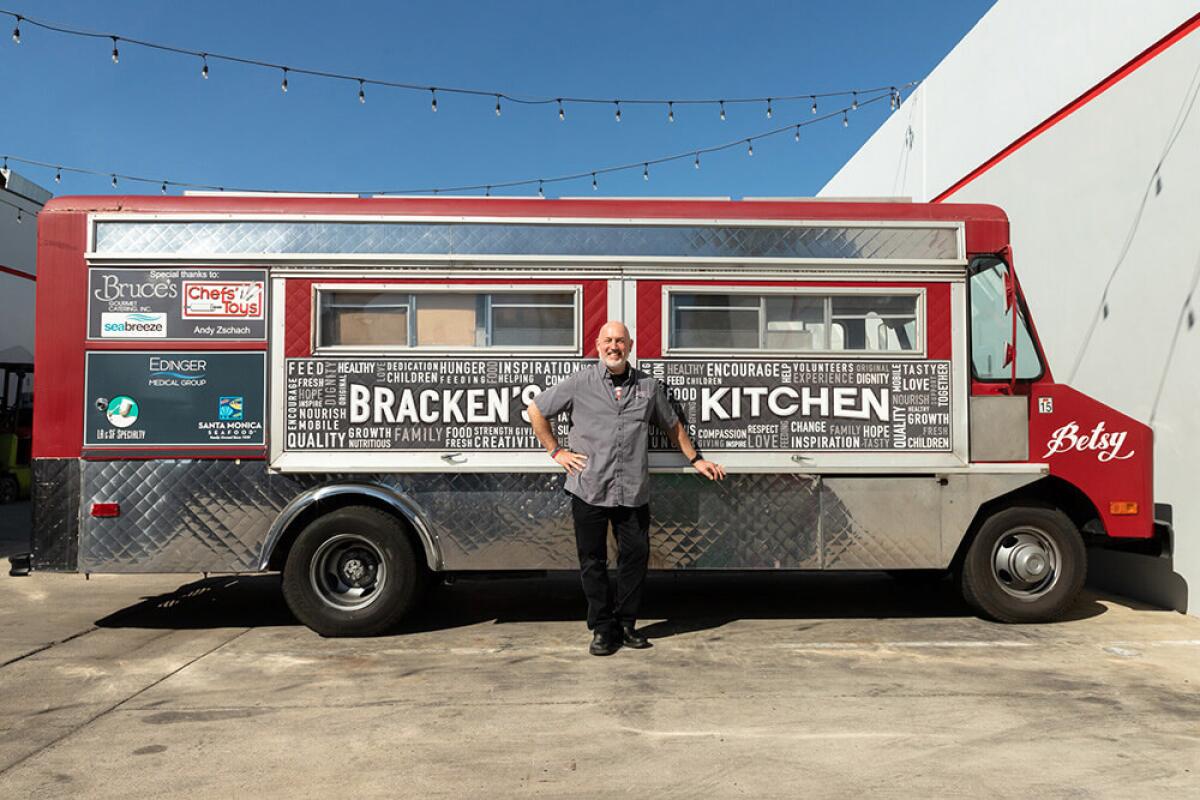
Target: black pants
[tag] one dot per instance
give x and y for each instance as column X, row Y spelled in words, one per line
column 631, row 526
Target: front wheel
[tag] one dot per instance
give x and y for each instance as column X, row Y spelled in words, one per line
column 1026, row 564
column 351, row 572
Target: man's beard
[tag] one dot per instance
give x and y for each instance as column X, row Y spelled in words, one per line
column 615, row 362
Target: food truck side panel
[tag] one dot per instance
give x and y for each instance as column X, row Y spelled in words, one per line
column 226, row 505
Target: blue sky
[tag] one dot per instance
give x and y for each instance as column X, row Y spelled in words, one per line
column 152, row 114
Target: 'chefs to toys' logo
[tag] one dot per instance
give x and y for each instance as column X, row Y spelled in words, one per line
column 1106, row 444
column 223, row 299
column 230, row 408
column 122, row 411
column 133, row 326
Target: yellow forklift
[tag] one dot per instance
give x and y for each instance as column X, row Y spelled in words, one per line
column 16, row 430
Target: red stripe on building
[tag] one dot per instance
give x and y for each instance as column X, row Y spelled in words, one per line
column 29, row 276
column 1070, row 108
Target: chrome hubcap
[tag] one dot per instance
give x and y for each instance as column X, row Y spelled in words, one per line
column 348, row 572
column 1025, row 563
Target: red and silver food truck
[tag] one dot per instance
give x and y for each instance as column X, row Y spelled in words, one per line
column 334, row 388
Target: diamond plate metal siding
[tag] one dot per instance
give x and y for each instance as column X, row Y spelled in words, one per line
column 880, row 523
column 743, row 522
column 208, row 515
column 199, row 238
column 180, row 516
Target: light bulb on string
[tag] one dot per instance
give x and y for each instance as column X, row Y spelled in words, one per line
column 618, row 114
column 562, row 115
column 283, row 87
column 114, row 181
column 722, row 111
column 895, row 99
column 646, row 171
column 204, row 69
column 768, row 108
column 696, row 163
column 487, row 191
column 595, row 185
column 362, row 91
column 433, row 102
column 541, row 191
column 497, row 105
column 814, row 104
column 116, row 55
column 58, row 175
column 671, row 111
column 854, row 105
column 17, row 30
column 19, row 216
column 749, row 147
column 845, row 119
column 797, row 137
column 163, row 188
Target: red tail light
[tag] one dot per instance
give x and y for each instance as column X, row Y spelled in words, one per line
column 106, row 509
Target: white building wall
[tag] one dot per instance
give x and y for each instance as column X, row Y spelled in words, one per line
column 18, row 252
column 1105, row 212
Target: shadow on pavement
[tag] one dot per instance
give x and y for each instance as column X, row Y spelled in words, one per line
column 684, row 602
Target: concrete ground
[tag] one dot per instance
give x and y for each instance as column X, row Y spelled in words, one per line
column 760, row 686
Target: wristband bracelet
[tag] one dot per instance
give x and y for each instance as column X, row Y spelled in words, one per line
column 556, row 451
column 696, row 458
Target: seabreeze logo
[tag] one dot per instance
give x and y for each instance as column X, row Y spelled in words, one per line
column 223, row 299
column 178, row 371
column 133, row 326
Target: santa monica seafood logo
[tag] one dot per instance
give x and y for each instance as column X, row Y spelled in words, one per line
column 1107, row 444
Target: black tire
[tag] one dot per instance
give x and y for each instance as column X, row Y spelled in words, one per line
column 352, row 572
column 1012, row 540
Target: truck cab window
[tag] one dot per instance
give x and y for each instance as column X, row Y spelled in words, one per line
column 991, row 328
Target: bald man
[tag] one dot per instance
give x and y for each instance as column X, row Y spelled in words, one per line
column 611, row 406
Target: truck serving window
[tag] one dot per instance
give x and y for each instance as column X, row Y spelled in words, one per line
column 350, row 318
column 992, row 327
column 796, row 322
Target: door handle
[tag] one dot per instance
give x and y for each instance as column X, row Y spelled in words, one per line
column 454, row 458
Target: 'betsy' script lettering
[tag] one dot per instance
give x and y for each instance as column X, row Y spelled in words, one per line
column 1068, row 438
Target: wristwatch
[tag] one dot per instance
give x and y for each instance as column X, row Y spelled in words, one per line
column 696, row 458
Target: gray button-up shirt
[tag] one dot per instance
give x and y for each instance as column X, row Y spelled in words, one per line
column 613, row 434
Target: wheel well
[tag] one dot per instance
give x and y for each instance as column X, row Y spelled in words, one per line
column 1048, row 492
column 319, row 508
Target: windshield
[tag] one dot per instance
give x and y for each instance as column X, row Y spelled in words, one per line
column 991, row 327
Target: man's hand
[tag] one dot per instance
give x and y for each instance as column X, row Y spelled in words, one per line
column 710, row 469
column 570, row 461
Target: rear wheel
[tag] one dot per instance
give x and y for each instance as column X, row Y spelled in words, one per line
column 1025, row 565
column 352, row 572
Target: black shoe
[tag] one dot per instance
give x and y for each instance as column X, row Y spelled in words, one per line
column 604, row 644
column 631, row 638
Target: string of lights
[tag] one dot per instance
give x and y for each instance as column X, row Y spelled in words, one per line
column 21, row 212
column 499, row 96
column 693, row 154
